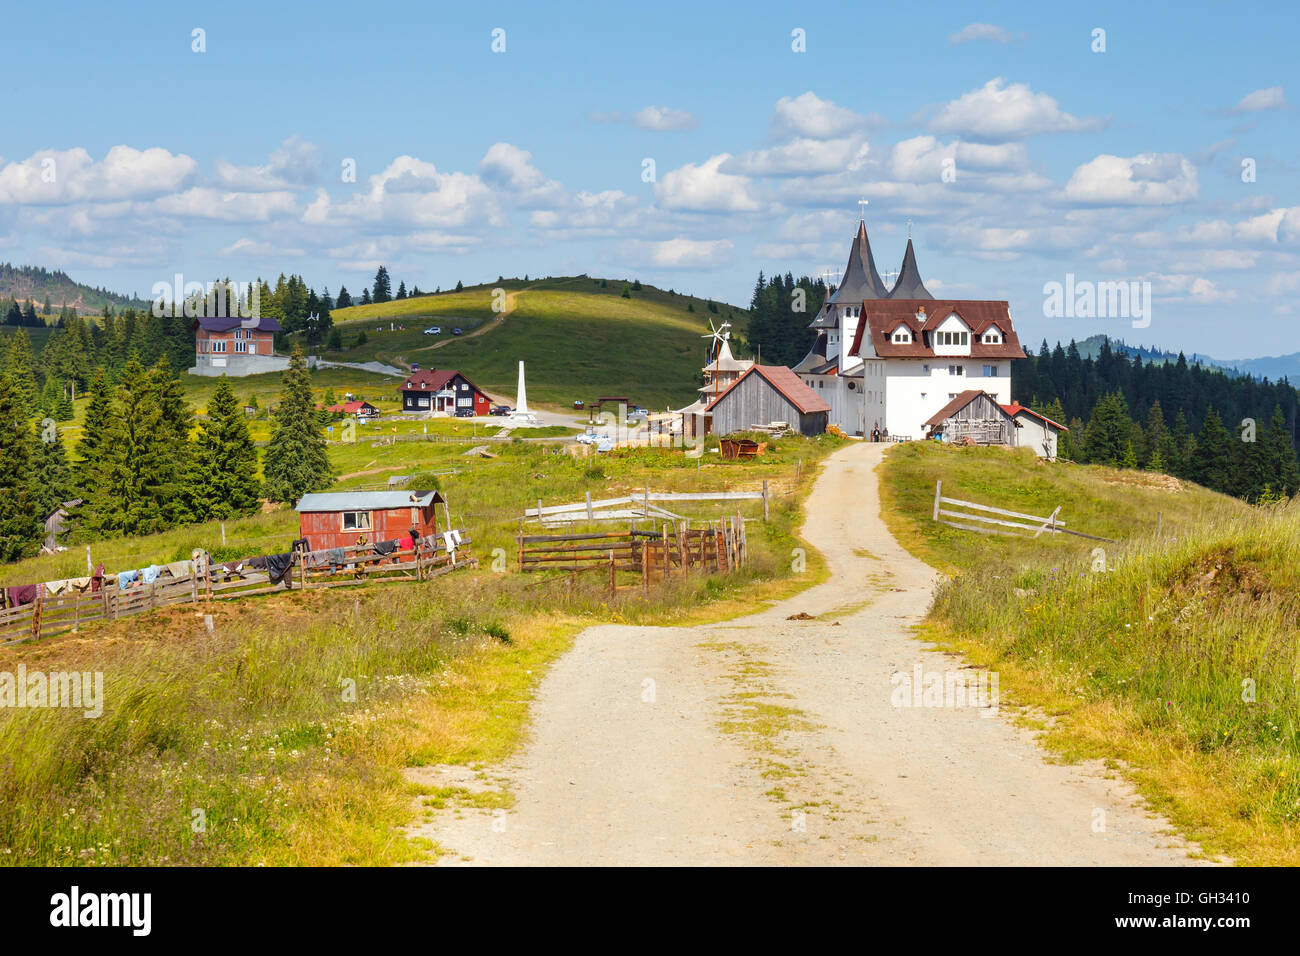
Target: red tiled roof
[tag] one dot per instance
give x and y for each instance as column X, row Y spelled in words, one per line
column 349, row 408
column 787, row 383
column 434, row 380
column 883, row 316
column 1015, row 408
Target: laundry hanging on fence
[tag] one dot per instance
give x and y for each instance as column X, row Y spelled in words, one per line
column 97, row 579
column 385, row 547
column 317, row 559
column 179, row 569
column 150, row 574
column 258, row 563
column 337, row 555
column 22, row 595
column 405, row 544
column 125, row 578
column 58, row 587
column 277, row 565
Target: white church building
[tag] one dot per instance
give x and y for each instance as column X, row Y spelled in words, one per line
column 890, row 358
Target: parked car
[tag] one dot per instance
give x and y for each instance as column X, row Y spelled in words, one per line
column 433, row 330
column 500, row 410
column 578, row 404
column 604, row 443
column 456, row 332
column 588, row 437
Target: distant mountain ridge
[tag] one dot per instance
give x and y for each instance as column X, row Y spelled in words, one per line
column 1273, row 368
column 38, row 284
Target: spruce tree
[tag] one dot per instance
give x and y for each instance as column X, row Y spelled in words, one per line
column 296, row 461
column 20, row 528
column 175, row 423
column 1279, row 456
column 20, row 366
column 1213, row 465
column 382, row 290
column 344, row 299
column 51, row 473
column 99, row 413
column 224, row 480
column 1109, row 431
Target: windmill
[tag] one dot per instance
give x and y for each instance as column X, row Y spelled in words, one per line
column 719, row 335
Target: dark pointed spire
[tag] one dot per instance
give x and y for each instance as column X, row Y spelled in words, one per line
column 909, row 285
column 861, row 280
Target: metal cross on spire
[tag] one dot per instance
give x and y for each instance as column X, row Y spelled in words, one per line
column 909, row 229
column 862, row 208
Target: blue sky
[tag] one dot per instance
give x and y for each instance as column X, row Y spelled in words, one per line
column 1019, row 153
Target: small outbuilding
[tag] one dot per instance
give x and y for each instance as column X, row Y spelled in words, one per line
column 339, row 519
column 361, row 410
column 1034, row 430
column 764, row 394
column 974, row 415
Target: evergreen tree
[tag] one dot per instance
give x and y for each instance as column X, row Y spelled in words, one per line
column 365, row 297
column 20, row 366
column 401, row 290
column 51, row 473
column 224, row 479
column 20, row 528
column 1156, row 439
column 296, row 460
column 1213, row 465
column 344, row 300
column 175, row 423
column 1109, row 433
column 1279, row 456
column 382, row 291
column 99, row 413
column 460, row 288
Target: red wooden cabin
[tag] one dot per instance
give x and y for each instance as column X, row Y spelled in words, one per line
column 340, row 519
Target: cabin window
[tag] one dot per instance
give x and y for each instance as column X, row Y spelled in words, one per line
column 356, row 521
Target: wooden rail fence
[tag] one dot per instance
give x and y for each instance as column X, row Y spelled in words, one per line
column 654, row 555
column 62, row 613
column 1052, row 524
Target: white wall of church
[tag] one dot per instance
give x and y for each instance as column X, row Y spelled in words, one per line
column 917, row 388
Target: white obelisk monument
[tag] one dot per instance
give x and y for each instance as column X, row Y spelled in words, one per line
column 521, row 399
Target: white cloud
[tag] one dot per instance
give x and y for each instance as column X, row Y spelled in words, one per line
column 62, row 176
column 997, row 112
column 203, row 202
column 705, row 188
column 604, row 213
column 685, row 253
column 512, row 169
column 1272, row 98
column 810, row 115
column 295, row 163
column 257, row 249
column 662, row 118
column 412, row 192
column 801, row 157
column 979, row 31
column 1146, row 179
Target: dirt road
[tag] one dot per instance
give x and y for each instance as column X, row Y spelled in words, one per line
column 764, row 740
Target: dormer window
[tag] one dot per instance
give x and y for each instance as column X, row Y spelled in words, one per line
column 954, row 338
column 992, row 337
column 902, row 336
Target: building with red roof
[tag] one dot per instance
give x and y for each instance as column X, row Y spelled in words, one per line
column 447, row 391
column 765, row 394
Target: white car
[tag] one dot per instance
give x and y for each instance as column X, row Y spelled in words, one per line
column 587, row 438
column 604, row 443
column 433, row 330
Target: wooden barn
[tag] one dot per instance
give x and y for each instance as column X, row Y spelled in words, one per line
column 337, row 519
column 765, row 394
column 976, row 415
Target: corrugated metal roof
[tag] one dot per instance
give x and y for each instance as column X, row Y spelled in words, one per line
column 224, row 323
column 365, row 500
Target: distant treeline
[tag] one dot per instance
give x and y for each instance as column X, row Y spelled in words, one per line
column 1230, row 433
column 779, row 313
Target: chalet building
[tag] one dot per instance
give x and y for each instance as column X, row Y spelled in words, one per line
column 1035, row 431
column 339, row 519
column 229, row 345
column 892, row 357
column 764, row 394
column 446, row 391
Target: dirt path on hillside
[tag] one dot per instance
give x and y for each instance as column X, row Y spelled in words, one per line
column 764, row 740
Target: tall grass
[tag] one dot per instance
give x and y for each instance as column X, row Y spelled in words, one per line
column 1175, row 654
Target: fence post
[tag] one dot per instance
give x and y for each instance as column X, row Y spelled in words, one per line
column 764, row 499
column 938, row 486
column 613, row 586
column 589, row 512
column 645, row 565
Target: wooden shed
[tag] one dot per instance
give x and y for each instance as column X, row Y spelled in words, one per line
column 976, row 415
column 338, row 519
column 766, row 394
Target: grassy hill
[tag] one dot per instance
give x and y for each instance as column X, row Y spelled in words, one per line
column 1171, row 656
column 38, row 284
column 577, row 340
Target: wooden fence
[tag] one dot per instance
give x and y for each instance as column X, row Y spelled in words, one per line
column 66, row 612
column 1052, row 524
column 654, row 555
